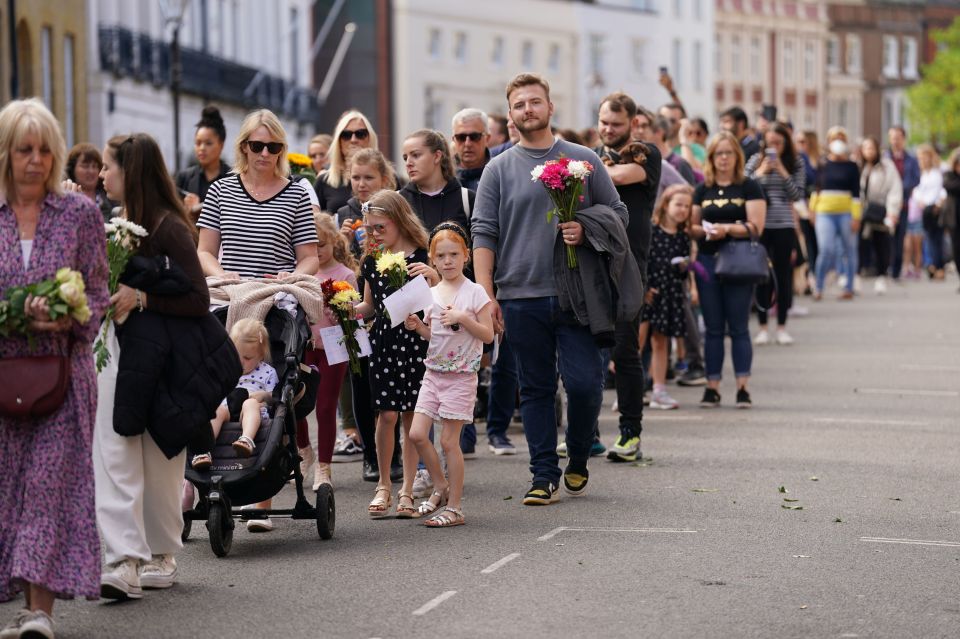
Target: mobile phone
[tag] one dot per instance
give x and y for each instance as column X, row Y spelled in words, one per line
column 769, row 112
column 771, row 153
column 663, row 70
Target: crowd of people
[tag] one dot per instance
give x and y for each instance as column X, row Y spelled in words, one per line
column 511, row 324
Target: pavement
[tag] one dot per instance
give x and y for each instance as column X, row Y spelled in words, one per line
column 830, row 509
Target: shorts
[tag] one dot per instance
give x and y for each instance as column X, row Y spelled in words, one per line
column 915, row 227
column 447, row 396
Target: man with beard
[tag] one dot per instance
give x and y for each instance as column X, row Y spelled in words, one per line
column 510, row 231
column 636, row 183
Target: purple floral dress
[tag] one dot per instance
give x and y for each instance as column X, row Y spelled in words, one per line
column 48, row 524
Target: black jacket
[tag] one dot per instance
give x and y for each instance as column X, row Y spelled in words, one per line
column 351, row 211
column 331, row 197
column 446, row 206
column 470, row 178
column 193, row 180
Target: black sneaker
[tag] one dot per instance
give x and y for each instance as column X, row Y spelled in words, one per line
column 371, row 472
column 575, row 481
column 711, row 399
column 541, row 494
column 743, row 399
column 693, row 377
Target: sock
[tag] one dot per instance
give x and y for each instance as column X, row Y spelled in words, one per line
column 659, row 388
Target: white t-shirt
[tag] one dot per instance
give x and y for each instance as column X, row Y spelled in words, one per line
column 453, row 351
column 262, row 378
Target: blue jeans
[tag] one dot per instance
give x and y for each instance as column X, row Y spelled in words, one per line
column 835, row 241
column 502, row 395
column 726, row 309
column 542, row 336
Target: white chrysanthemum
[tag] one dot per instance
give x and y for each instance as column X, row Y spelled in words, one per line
column 578, row 169
column 110, row 228
column 536, row 172
column 389, row 261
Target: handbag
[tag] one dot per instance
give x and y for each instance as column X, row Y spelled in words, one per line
column 34, row 387
column 874, row 213
column 743, row 261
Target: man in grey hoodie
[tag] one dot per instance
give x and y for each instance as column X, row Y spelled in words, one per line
column 511, row 232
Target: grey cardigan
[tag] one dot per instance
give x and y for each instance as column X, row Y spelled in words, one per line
column 881, row 184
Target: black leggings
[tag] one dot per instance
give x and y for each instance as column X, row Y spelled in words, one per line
column 877, row 238
column 810, row 239
column 780, row 244
column 365, row 415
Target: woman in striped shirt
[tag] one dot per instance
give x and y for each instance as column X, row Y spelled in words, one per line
column 256, row 221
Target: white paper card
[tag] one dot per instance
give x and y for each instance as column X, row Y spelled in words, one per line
column 333, row 345
column 363, row 338
column 413, row 297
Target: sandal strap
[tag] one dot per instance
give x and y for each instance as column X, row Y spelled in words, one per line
column 246, row 440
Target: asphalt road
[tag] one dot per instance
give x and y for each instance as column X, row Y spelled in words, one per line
column 857, row 422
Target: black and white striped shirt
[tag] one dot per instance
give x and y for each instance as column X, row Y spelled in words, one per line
column 258, row 238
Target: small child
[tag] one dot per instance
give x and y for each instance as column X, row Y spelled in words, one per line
column 258, row 381
column 457, row 324
column 663, row 311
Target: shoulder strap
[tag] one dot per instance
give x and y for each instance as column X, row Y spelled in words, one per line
column 465, row 196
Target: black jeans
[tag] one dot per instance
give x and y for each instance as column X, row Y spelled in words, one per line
column 810, row 239
column 934, row 236
column 780, row 244
column 629, row 379
column 877, row 238
column 691, row 338
column 898, row 238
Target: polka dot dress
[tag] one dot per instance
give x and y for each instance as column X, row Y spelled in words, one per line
column 396, row 366
column 665, row 314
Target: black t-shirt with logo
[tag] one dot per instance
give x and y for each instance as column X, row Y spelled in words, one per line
column 724, row 205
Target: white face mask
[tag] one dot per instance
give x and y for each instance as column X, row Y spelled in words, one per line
column 838, row 147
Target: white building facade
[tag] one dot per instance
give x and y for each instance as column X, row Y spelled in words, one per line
column 236, row 54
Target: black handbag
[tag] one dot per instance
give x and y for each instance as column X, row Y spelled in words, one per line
column 743, row 261
column 874, row 213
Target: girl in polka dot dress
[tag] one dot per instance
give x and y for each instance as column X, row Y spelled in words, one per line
column 396, row 365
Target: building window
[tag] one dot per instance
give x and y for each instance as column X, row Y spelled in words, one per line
column 294, row 38
column 69, row 116
column 736, row 65
column 204, row 25
column 235, row 29
column 833, row 53
column 435, row 44
column 496, row 55
column 809, row 62
column 697, row 66
column 460, row 48
column 596, row 55
column 553, row 61
column 677, row 70
column 433, row 110
column 46, row 66
column 717, row 54
column 789, row 61
column 853, row 54
column 842, row 113
column 526, row 55
column 639, row 58
column 909, row 58
column 678, row 9
column 698, row 10
column 755, row 58
column 891, row 55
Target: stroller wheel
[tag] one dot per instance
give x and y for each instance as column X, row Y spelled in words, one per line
column 326, row 511
column 187, row 527
column 220, row 527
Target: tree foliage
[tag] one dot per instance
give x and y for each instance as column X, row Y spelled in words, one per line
column 933, row 103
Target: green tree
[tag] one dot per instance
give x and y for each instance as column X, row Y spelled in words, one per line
column 933, row 103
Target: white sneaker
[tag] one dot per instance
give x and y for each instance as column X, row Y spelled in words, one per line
column 857, row 284
column 308, row 458
column 798, row 311
column 842, row 281
column 880, row 286
column 121, row 580
column 12, row 629
column 663, row 401
column 257, row 525
column 37, row 625
column 562, row 449
column 422, row 484
column 159, row 572
column 784, row 339
column 762, row 338
column 321, row 475
column 615, row 407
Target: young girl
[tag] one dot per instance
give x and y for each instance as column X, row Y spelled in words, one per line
column 259, row 379
column 663, row 311
column 369, row 172
column 455, row 325
column 396, row 366
column 336, row 263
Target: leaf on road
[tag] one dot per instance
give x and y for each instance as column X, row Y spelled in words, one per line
column 788, row 499
column 705, row 490
column 814, row 478
column 838, row 521
column 508, row 498
column 803, row 607
column 791, row 507
column 894, row 499
column 782, row 489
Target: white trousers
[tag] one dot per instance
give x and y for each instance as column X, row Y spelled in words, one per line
column 137, row 487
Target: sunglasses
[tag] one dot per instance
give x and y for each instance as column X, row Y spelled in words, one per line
column 272, row 147
column 375, row 228
column 360, row 134
column 463, row 137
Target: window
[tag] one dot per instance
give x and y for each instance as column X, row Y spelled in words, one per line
column 697, row 66
column 717, row 54
column 433, row 110
column 677, row 69
column 736, row 65
column 891, row 55
column 789, row 61
column 69, row 89
column 496, row 55
column 909, row 58
column 553, row 61
column 596, row 55
column 435, row 44
column 294, row 39
column 809, row 62
column 678, row 9
column 460, row 48
column 638, row 55
column 853, row 53
column 526, row 55
column 833, row 53
column 234, row 29
column 204, row 26
column 755, row 58
column 698, row 10
column 46, row 66
column 842, row 114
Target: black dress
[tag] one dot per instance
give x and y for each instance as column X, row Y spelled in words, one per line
column 666, row 313
column 396, row 366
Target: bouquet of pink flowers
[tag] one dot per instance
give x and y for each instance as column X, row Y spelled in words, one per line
column 564, row 180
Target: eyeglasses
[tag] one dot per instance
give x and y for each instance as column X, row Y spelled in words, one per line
column 463, row 137
column 375, row 228
column 272, row 147
column 359, row 134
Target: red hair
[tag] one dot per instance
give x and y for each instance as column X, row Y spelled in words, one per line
column 453, row 236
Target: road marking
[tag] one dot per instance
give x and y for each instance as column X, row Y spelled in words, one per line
column 499, row 564
column 910, row 542
column 907, row 391
column 930, row 367
column 556, row 531
column 433, row 603
column 871, row 422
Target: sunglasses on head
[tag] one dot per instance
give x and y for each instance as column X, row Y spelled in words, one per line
column 463, row 137
column 272, row 147
column 360, row 134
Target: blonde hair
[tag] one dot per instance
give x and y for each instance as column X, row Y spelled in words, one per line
column 927, row 157
column 391, row 205
column 337, row 174
column 328, row 232
column 709, row 170
column 322, row 138
column 19, row 118
column 365, row 157
column 836, row 133
column 251, row 331
column 668, row 194
column 253, row 121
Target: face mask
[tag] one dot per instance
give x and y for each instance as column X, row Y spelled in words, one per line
column 838, row 147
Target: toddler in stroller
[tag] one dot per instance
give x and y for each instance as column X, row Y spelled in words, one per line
column 247, row 403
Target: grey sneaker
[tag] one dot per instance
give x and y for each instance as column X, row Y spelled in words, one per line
column 121, row 580
column 159, row 572
column 12, row 629
column 36, row 625
column 422, row 484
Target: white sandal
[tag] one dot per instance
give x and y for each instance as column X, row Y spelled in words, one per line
column 244, row 446
column 427, row 507
column 443, row 520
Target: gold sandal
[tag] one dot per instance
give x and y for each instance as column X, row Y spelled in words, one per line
column 444, row 520
column 380, row 507
column 404, row 511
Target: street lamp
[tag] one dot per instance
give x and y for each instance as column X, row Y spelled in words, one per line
column 172, row 11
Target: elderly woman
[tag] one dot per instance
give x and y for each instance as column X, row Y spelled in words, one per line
column 352, row 133
column 83, row 168
column 49, row 545
column 258, row 221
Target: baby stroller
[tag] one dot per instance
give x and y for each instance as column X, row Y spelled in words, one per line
column 237, row 481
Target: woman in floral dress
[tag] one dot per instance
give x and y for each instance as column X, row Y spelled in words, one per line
column 49, row 545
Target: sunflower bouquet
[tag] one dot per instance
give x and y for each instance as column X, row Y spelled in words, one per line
column 301, row 165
